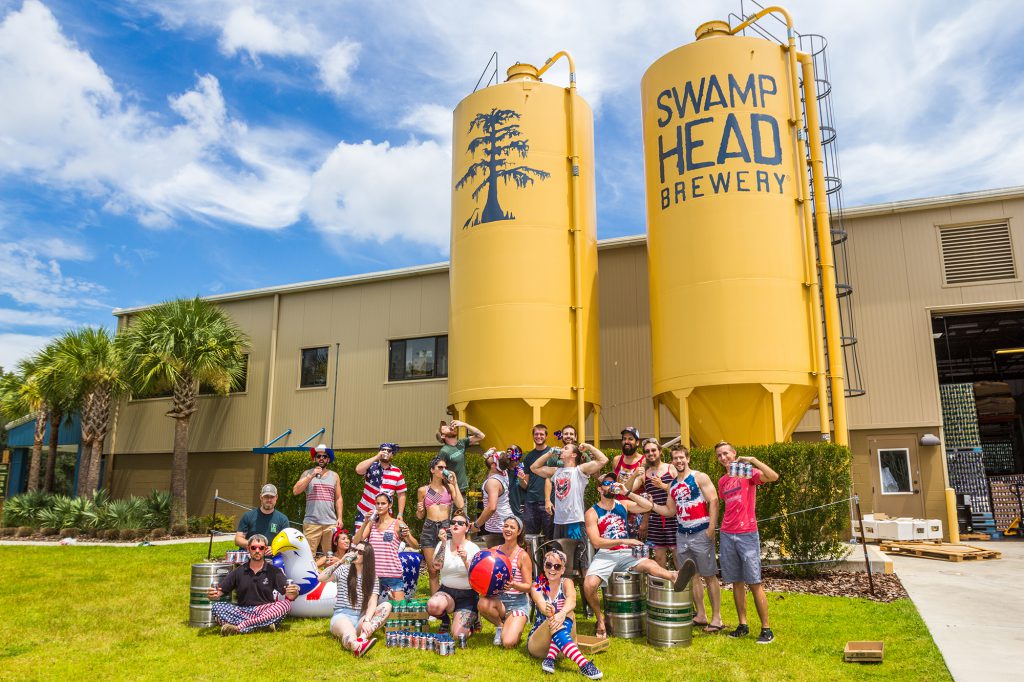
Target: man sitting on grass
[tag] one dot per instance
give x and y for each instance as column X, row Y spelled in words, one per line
column 257, row 582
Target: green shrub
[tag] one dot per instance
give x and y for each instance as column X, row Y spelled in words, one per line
column 7, row 530
column 70, row 532
column 178, row 530
column 23, row 509
column 157, row 509
column 204, row 524
column 24, row 531
column 157, row 533
column 47, row 530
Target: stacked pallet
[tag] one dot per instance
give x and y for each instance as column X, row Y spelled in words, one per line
column 959, row 416
column 1005, row 504
column 994, row 398
column 966, row 469
column 939, row 550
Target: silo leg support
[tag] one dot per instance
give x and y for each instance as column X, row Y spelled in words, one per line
column 657, row 419
column 461, row 409
column 683, row 396
column 597, row 426
column 777, row 390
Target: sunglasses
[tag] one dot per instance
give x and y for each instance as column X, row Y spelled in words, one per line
column 552, row 567
column 257, row 548
column 323, row 456
column 460, row 523
column 360, row 552
column 607, row 483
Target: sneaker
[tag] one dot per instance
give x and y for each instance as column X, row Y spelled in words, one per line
column 548, row 665
column 766, row 636
column 741, row 631
column 590, row 670
column 497, row 636
column 364, row 645
column 685, row 575
column 228, row 629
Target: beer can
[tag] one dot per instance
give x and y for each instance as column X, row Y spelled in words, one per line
column 750, row 470
column 462, row 641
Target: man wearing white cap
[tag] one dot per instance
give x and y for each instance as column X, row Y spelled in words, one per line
column 323, row 499
column 263, row 520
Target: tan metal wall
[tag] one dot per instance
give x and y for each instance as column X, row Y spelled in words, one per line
column 896, row 272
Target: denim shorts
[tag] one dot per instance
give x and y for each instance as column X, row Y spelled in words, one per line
column 516, row 603
column 351, row 615
column 391, row 584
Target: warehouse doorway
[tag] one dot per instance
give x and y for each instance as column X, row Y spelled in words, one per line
column 980, row 365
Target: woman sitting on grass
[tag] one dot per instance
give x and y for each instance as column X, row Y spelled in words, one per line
column 356, row 612
column 509, row 610
column 552, row 631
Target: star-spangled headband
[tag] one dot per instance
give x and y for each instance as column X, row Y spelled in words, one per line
column 515, row 453
column 393, row 447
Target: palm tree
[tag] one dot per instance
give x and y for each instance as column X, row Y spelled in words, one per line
column 60, row 402
column 179, row 345
column 88, row 367
column 20, row 395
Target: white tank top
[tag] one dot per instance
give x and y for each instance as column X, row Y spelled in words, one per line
column 503, row 510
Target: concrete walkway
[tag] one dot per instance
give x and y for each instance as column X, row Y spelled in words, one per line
column 133, row 543
column 973, row 609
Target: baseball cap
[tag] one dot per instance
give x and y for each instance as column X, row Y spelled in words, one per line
column 269, row 489
column 632, row 430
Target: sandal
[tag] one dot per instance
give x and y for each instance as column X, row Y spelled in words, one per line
column 700, row 624
column 713, row 629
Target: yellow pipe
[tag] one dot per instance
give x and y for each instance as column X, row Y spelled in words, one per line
column 828, row 266
column 577, row 244
column 794, row 101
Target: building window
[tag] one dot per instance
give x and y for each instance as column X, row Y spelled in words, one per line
column 894, row 468
column 314, row 367
column 422, row 358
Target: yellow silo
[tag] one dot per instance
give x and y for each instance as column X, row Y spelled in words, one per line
column 735, row 328
column 523, row 325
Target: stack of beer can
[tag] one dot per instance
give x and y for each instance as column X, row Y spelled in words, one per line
column 741, row 470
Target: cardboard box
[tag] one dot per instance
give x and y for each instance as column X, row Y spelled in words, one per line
column 934, row 531
column 897, row 529
column 870, row 530
column 592, row 645
column 864, row 652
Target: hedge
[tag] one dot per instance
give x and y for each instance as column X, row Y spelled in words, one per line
column 810, row 474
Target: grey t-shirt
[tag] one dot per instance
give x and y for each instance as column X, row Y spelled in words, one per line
column 320, row 507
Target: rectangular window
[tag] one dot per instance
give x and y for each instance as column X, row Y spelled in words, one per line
column 894, row 468
column 314, row 367
column 237, row 386
column 422, row 358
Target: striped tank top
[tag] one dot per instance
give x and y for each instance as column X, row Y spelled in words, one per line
column 623, row 470
column 503, row 510
column 385, row 550
column 691, row 507
column 517, row 573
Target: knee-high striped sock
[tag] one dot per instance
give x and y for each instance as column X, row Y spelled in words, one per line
column 553, row 650
column 572, row 652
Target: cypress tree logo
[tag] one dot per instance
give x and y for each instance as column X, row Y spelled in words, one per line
column 500, row 139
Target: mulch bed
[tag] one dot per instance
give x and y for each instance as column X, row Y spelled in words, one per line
column 837, row 584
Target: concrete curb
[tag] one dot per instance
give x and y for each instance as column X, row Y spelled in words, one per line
column 133, row 543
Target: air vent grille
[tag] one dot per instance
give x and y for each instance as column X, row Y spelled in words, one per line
column 977, row 253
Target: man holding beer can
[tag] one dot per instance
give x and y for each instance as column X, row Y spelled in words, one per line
column 257, row 583
column 740, row 542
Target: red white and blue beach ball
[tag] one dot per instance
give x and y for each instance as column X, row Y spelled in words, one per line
column 489, row 572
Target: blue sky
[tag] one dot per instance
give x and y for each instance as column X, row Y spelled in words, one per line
column 155, row 148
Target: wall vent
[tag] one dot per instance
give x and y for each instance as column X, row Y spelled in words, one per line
column 977, row 253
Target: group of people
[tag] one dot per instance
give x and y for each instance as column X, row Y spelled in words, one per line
column 643, row 500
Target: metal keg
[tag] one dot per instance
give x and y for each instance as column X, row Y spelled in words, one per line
column 624, row 605
column 199, row 613
column 669, row 614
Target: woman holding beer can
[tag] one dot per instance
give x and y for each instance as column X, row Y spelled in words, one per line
column 434, row 505
column 356, row 612
column 385, row 533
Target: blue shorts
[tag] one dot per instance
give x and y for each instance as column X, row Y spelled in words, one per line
column 740, row 557
column 570, row 531
column 516, row 604
column 351, row 615
column 391, row 585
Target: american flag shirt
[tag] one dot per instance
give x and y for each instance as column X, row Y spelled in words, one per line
column 378, row 480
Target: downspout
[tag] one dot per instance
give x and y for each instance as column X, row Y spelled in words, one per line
column 828, row 266
column 271, row 374
column 577, row 243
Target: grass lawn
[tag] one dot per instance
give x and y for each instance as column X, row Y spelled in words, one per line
column 121, row 613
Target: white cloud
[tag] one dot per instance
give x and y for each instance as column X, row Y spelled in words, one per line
column 15, row 347
column 246, row 30
column 32, row 276
column 378, row 192
column 431, row 119
column 337, row 64
column 28, row 318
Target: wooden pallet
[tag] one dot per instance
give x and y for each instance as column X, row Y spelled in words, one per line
column 975, row 536
column 943, row 551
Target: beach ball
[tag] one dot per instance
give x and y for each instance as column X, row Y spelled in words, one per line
column 489, row 572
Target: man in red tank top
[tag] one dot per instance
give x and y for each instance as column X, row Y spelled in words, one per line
column 626, row 468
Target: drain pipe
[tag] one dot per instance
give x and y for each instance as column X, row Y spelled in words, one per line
column 577, row 242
